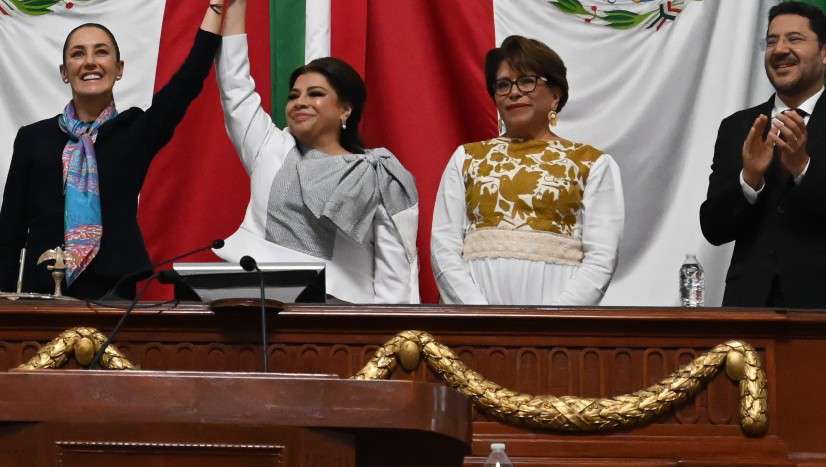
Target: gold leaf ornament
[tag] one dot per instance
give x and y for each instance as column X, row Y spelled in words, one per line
column 82, row 343
column 582, row 414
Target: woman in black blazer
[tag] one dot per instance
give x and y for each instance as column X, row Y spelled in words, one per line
column 104, row 240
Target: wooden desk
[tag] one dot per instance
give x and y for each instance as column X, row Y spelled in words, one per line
column 595, row 352
column 145, row 419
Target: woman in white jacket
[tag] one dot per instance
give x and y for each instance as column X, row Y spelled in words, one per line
column 316, row 193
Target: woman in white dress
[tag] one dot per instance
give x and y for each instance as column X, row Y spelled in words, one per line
column 528, row 218
column 316, row 193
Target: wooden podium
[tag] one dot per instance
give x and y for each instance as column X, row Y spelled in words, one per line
column 81, row 418
column 588, row 352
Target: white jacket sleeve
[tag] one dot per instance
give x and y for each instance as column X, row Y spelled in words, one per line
column 447, row 237
column 603, row 219
column 250, row 128
column 395, row 273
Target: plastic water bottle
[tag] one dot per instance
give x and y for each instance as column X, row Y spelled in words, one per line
column 692, row 283
column 497, row 457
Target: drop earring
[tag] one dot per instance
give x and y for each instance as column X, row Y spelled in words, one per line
column 502, row 128
column 552, row 118
column 344, row 124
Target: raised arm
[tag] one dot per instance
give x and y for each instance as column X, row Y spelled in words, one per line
column 726, row 211
column 250, row 128
column 170, row 103
column 236, row 18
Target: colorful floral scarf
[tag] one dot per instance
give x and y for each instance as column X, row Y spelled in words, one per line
column 82, row 220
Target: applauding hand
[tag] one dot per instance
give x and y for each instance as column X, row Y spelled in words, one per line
column 757, row 153
column 790, row 135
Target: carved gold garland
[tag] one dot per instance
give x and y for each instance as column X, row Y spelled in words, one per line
column 564, row 413
column 580, row 414
column 82, row 343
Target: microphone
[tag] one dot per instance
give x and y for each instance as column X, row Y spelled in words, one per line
column 96, row 359
column 249, row 264
column 215, row 244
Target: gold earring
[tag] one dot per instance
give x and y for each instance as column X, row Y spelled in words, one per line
column 552, row 117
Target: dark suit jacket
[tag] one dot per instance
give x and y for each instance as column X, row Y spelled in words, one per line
column 32, row 211
column 784, row 233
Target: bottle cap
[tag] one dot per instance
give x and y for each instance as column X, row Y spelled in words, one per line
column 497, row 446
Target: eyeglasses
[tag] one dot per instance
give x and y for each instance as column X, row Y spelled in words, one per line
column 504, row 86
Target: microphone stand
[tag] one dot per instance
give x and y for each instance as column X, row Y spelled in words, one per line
column 249, row 264
column 111, row 337
column 216, row 244
column 263, row 321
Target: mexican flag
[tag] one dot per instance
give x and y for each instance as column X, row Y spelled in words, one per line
column 650, row 82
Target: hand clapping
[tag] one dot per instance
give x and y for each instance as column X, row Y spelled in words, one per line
column 757, row 153
column 789, row 133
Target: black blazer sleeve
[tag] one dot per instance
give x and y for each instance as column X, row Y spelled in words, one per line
column 170, row 103
column 726, row 212
column 13, row 224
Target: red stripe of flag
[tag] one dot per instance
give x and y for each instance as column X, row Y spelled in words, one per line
column 424, row 68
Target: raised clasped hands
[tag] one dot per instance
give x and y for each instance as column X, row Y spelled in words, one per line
column 214, row 15
column 219, row 6
column 788, row 133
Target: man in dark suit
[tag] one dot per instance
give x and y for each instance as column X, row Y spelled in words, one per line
column 767, row 189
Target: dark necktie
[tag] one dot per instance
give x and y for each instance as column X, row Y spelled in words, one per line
column 800, row 112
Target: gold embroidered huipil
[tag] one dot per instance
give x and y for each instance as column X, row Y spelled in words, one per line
column 524, row 198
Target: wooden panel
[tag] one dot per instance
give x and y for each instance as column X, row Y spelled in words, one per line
column 595, row 352
column 131, row 454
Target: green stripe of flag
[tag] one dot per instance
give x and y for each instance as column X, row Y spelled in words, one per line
column 287, row 25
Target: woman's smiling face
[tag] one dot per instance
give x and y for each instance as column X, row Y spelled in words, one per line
column 314, row 109
column 91, row 65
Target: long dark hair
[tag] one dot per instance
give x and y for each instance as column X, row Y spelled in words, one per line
column 91, row 25
column 350, row 89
